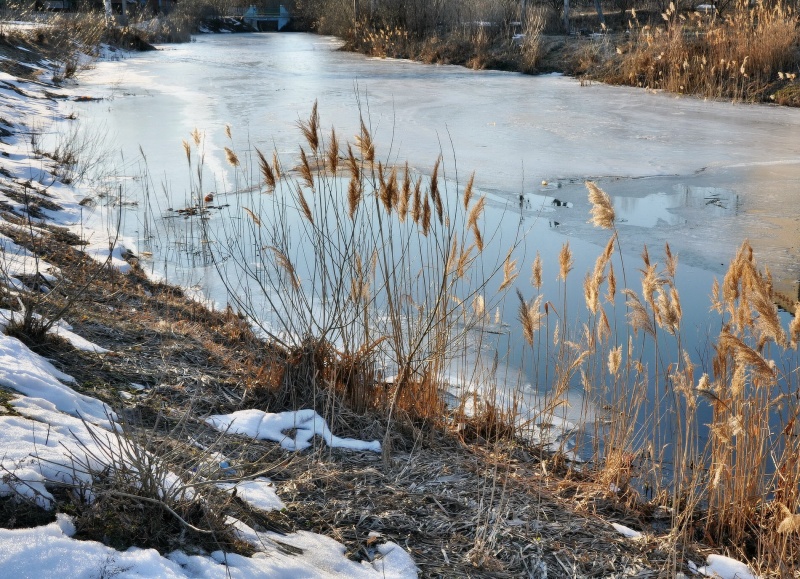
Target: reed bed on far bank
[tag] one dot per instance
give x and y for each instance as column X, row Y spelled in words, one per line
column 750, row 52
column 745, row 55
column 374, row 289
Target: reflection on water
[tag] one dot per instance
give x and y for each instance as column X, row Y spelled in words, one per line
column 734, row 176
column 667, row 208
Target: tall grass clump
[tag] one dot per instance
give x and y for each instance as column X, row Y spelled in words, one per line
column 738, row 56
column 709, row 434
column 366, row 275
column 478, row 34
column 712, row 437
column 378, row 289
column 531, row 44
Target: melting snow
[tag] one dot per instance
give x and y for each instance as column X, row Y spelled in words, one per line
column 723, row 567
column 259, row 492
column 626, row 531
column 32, row 375
column 268, row 426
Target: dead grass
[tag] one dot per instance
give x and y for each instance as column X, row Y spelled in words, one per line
column 736, row 57
column 433, row 498
column 751, row 53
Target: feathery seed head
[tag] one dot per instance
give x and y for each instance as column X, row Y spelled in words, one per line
column 233, row 160
column 509, row 272
column 468, row 191
column 614, row 360
column 333, row 153
column 305, row 170
column 602, row 209
column 310, row 129
column 565, row 261
column 536, row 271
column 266, row 171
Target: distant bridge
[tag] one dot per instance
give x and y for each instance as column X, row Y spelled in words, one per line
column 266, row 20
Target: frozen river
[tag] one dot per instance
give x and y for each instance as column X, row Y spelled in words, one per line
column 703, row 176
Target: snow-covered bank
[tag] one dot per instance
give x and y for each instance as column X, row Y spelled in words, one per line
column 52, row 436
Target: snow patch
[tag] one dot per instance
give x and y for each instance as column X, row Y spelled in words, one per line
column 259, row 492
column 626, row 531
column 32, row 375
column 723, row 567
column 268, row 426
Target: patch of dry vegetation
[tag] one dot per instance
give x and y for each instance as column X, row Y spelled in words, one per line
column 751, row 52
column 742, row 56
column 701, row 450
column 397, row 285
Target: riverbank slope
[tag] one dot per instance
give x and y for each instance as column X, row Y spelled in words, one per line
column 467, row 503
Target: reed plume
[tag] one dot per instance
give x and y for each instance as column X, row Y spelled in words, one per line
column 476, row 212
column 404, row 196
column 794, row 327
column 468, row 191
column 304, row 204
column 231, row 157
column 530, row 315
column 392, row 191
column 285, row 263
column 745, row 355
column 476, row 232
column 434, row 191
column 352, row 164
column 310, row 129
column 365, row 144
column 614, row 360
column 464, row 261
column 602, row 209
column 333, row 152
column 611, row 285
column 790, row 523
column 426, row 217
column 305, row 170
column 276, row 166
column 253, row 216
column 638, row 317
column 354, row 194
column 565, row 261
column 768, row 322
column 604, row 327
column 479, row 306
column 590, row 294
column 359, row 288
column 416, row 205
column 536, row 272
column 187, row 149
column 266, row 171
column 510, row 272
column 671, row 261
